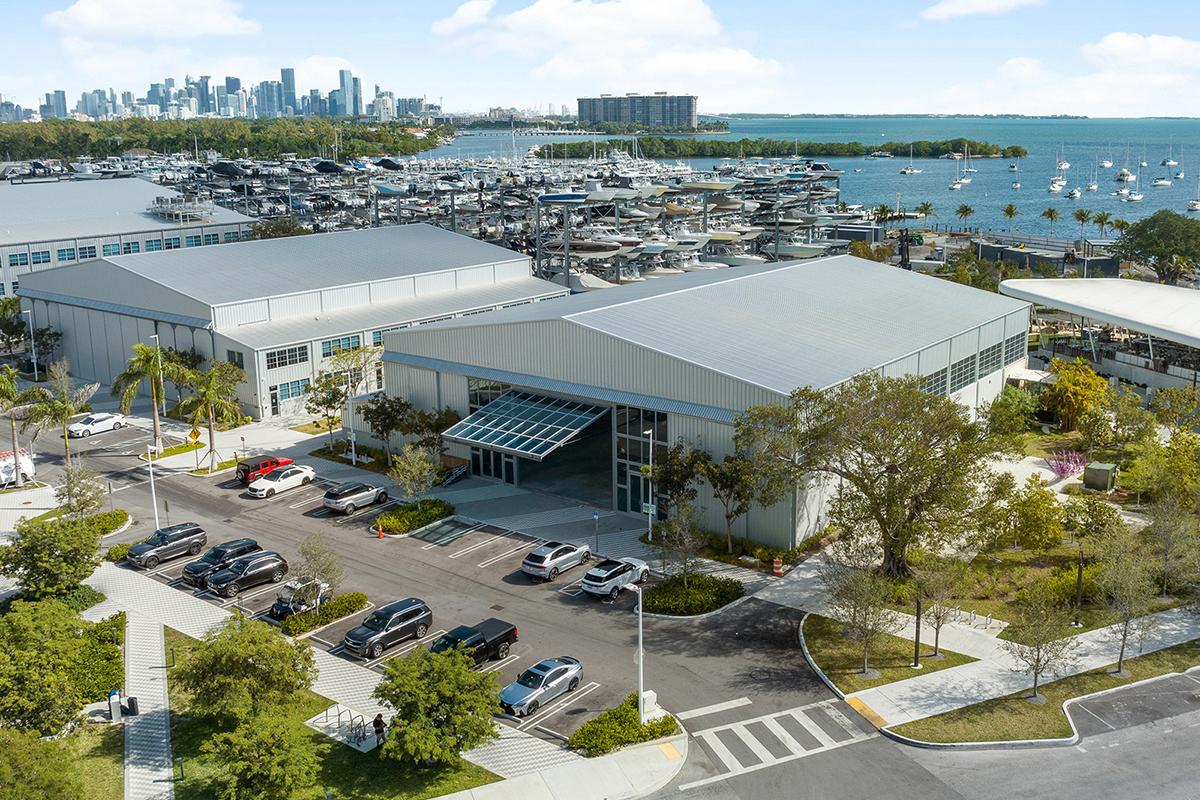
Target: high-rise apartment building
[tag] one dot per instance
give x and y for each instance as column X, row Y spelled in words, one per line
column 60, row 104
column 658, row 110
column 232, row 85
column 345, row 102
column 287, row 76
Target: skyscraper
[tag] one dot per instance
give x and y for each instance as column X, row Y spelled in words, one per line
column 345, row 102
column 60, row 104
column 232, row 85
column 203, row 104
column 356, row 108
column 287, row 76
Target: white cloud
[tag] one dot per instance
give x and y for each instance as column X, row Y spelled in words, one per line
column 468, row 15
column 948, row 9
column 1135, row 50
column 160, row 19
column 630, row 45
column 320, row 72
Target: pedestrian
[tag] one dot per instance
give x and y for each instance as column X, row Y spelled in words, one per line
column 380, row 730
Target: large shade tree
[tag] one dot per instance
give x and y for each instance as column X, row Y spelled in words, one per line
column 1166, row 242
column 904, row 463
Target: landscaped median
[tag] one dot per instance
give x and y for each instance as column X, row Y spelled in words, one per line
column 411, row 516
column 1013, row 718
column 619, row 726
column 341, row 606
column 841, row 659
column 702, row 595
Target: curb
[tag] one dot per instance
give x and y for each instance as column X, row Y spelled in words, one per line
column 307, row 634
column 683, row 738
column 414, row 531
column 123, row 528
column 723, row 608
column 808, row 657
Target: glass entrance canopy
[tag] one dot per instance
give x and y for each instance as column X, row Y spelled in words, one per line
column 525, row 424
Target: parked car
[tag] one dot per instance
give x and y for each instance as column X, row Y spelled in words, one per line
column 293, row 599
column 540, row 684
column 609, row 577
column 280, row 480
column 253, row 468
column 96, row 423
column 218, row 558
column 388, row 625
column 168, row 543
column 248, row 571
column 554, row 557
column 492, row 638
column 346, row 497
column 8, row 473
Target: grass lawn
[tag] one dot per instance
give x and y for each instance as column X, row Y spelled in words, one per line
column 220, row 466
column 343, row 770
column 319, row 426
column 99, row 756
column 186, row 447
column 839, row 657
column 1012, row 717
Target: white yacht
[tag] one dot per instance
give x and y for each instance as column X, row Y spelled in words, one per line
column 1164, row 181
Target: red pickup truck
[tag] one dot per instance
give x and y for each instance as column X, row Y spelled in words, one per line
column 252, row 468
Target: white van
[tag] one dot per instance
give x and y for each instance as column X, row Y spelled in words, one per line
column 6, row 467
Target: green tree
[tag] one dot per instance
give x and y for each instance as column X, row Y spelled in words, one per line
column 1089, row 516
column 676, row 473
column 146, row 365
column 1165, row 242
column 385, row 416
column 415, row 471
column 1126, row 584
column 326, row 395
column 15, row 404
column 443, row 706
column 906, row 462
column 427, row 426
column 1010, row 213
column 1175, row 406
column 278, row 228
column 357, row 364
column 1173, row 544
column 1038, row 516
column 738, row 484
column 1082, row 216
column 61, row 404
column 859, row 595
column 32, row 768
column 681, row 537
column 1037, row 643
column 1119, row 225
column 45, row 343
column 1053, row 215
column 37, row 643
column 1076, row 388
column 245, row 668
column 50, row 557
column 1101, row 219
column 319, row 563
column 1149, row 475
column 941, row 580
column 266, row 758
column 964, row 211
column 214, row 400
column 78, row 491
column 992, row 519
column 1011, row 414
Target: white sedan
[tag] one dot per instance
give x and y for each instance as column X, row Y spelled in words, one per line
column 281, row 479
column 96, row 423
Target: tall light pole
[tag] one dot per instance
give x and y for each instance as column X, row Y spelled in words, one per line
column 32, row 344
column 641, row 655
column 650, row 508
column 150, row 449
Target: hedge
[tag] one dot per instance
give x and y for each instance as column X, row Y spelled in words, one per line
column 703, row 594
column 333, row 610
column 108, row 521
column 82, row 598
column 619, row 726
column 408, row 517
column 118, row 551
column 96, row 666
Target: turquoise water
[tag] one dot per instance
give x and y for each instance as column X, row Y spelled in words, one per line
column 1083, row 141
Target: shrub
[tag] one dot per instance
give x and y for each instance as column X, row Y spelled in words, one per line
column 408, row 517
column 335, row 609
column 108, row 521
column 97, row 667
column 118, row 551
column 1061, row 585
column 704, row 593
column 82, row 598
column 619, row 726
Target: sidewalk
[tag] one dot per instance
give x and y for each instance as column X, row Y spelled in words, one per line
column 149, row 773
column 537, row 769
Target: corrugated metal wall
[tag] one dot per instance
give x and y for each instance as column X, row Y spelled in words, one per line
column 233, row 314
column 345, row 297
column 294, row 305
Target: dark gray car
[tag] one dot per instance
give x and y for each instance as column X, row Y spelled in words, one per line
column 386, row 626
column 248, row 571
column 187, row 538
column 218, row 558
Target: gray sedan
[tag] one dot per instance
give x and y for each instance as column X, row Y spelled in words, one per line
column 540, row 684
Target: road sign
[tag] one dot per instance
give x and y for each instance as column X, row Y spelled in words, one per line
column 649, row 508
column 194, row 435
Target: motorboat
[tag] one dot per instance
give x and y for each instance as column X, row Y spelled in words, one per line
column 1075, row 194
column 1193, row 205
column 732, row 257
column 582, row 248
column 1057, row 185
column 1179, row 175
column 1013, row 168
column 564, row 198
column 1161, row 182
column 1122, row 192
column 686, row 240
column 710, row 185
column 1124, row 176
column 657, row 243
column 798, row 249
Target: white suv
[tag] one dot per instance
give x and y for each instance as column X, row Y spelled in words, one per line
column 607, row 578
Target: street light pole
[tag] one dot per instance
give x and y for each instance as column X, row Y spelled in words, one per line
column 641, row 654
column 153, row 497
column 650, row 509
column 32, row 344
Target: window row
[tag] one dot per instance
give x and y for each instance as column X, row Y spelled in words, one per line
column 1016, row 348
column 287, row 356
column 936, row 383
column 962, row 373
column 291, row 389
column 335, row 346
column 68, row 254
column 991, row 358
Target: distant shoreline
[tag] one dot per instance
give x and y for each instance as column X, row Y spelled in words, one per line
column 741, row 116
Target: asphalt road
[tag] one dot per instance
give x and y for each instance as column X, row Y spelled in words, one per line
column 761, row 723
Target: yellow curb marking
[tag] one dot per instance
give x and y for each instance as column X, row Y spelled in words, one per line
column 669, row 751
column 861, row 708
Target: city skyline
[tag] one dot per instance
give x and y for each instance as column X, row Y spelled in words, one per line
column 919, row 56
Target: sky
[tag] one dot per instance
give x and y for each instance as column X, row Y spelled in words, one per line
column 1100, row 58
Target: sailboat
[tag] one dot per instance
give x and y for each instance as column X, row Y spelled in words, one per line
column 1016, row 184
column 968, row 167
column 1194, row 205
column 1107, row 162
column 1169, row 161
column 1136, row 195
column 1093, row 185
column 910, row 169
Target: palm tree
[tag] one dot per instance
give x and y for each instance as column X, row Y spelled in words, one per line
column 146, row 364
column 15, row 403
column 10, row 306
column 1052, row 215
column 213, row 400
column 1101, row 220
column 1009, row 212
column 1082, row 215
column 964, row 211
column 925, row 209
column 58, row 406
column 1119, row 225
column 883, row 212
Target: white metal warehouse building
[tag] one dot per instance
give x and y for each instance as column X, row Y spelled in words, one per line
column 583, row 385
column 278, row 308
column 56, row 223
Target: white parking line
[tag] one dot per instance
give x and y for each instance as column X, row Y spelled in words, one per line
column 573, row 589
column 268, row 588
column 567, row 699
column 713, row 709
column 511, row 552
column 307, row 499
column 450, row 537
column 499, row 665
column 484, row 543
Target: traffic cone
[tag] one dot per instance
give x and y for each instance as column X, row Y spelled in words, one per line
column 379, row 528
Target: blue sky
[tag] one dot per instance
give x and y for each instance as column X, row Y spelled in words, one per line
column 1092, row 57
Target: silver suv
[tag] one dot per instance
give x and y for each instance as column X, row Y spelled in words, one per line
column 554, row 557
column 347, row 497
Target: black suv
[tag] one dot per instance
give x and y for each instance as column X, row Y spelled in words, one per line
column 217, row 559
column 248, row 571
column 168, row 543
column 388, row 625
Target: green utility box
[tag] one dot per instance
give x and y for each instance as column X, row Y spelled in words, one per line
column 1100, row 477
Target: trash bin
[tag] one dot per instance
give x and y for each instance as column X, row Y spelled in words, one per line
column 132, row 706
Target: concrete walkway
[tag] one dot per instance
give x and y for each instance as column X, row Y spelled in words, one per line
column 149, row 774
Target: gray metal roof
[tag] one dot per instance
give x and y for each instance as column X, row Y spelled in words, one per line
column 376, row 316
column 44, row 212
column 1171, row 312
column 231, row 273
column 778, row 326
column 116, row 308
